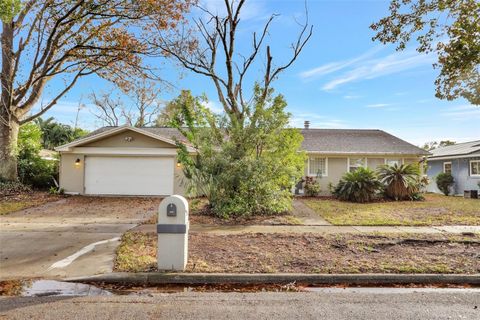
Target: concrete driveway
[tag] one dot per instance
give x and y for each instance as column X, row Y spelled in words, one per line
column 71, row 237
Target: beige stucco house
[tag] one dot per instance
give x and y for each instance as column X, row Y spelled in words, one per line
column 142, row 161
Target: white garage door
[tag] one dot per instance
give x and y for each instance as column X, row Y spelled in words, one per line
column 129, row 175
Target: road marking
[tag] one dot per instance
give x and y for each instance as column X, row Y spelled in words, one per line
column 68, row 260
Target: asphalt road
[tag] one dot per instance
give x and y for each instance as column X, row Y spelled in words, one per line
column 329, row 304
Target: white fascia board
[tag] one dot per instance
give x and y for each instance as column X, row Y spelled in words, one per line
column 124, row 151
column 69, row 146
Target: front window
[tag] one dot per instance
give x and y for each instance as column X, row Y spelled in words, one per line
column 475, row 168
column 317, row 167
column 355, row 163
column 392, row 162
column 447, row 167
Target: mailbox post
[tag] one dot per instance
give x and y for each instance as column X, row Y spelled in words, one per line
column 172, row 230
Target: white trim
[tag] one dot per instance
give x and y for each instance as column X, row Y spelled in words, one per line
column 124, row 151
column 68, row 146
column 447, row 162
column 470, row 168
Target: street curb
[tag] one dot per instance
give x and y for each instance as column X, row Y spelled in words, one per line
column 157, row 278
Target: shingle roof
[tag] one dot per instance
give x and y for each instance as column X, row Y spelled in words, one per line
column 328, row 141
column 458, row 149
column 347, row 141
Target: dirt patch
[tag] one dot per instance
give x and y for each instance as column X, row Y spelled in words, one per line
column 311, row 253
column 19, row 201
column 91, row 210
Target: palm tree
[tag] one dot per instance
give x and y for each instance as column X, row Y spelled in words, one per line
column 401, row 181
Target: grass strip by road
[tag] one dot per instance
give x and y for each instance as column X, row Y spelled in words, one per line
column 436, row 210
column 310, row 253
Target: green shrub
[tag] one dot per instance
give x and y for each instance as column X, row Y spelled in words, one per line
column 444, row 182
column 32, row 169
column 312, row 187
column 362, row 185
column 401, row 181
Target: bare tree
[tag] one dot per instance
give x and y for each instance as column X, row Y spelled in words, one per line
column 141, row 108
column 215, row 56
column 68, row 40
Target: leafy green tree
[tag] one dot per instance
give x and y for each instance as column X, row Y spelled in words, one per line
column 429, row 146
column 241, row 172
column 55, row 134
column 65, row 41
column 401, row 181
column 32, row 169
column 451, row 29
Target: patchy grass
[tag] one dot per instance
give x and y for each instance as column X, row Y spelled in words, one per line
column 435, row 210
column 311, row 253
column 21, row 201
column 136, row 253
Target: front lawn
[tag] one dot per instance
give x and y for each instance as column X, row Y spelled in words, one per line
column 310, row 253
column 436, row 210
column 25, row 200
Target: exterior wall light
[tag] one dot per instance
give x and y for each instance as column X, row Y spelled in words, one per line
column 178, row 164
column 77, row 163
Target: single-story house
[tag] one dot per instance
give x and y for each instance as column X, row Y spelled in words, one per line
column 462, row 160
column 142, row 161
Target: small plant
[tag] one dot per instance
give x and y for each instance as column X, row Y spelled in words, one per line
column 401, row 181
column 444, row 182
column 312, row 187
column 55, row 190
column 331, row 187
column 362, row 185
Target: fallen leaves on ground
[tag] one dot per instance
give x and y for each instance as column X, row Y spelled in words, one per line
column 311, row 253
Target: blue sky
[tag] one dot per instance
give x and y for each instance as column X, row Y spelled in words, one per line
column 342, row 79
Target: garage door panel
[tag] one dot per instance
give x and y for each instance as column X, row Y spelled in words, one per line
column 129, row 175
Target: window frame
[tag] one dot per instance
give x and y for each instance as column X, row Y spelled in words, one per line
column 308, row 166
column 395, row 159
column 450, row 163
column 365, row 163
column 477, row 175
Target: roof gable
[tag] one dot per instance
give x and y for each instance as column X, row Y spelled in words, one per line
column 104, row 133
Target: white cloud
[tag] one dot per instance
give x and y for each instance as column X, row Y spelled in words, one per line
column 351, row 96
column 374, row 68
column 378, row 105
column 335, row 66
column 463, row 112
column 215, row 107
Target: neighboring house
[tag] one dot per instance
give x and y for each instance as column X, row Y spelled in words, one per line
column 333, row 152
column 142, row 161
column 462, row 160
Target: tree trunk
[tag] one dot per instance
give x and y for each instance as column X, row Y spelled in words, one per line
column 9, row 124
column 8, row 145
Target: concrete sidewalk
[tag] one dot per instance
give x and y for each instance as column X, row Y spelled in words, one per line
column 225, row 230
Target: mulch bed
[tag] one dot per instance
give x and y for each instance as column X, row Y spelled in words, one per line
column 312, row 253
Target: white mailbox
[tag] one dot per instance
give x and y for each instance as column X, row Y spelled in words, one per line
column 172, row 230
